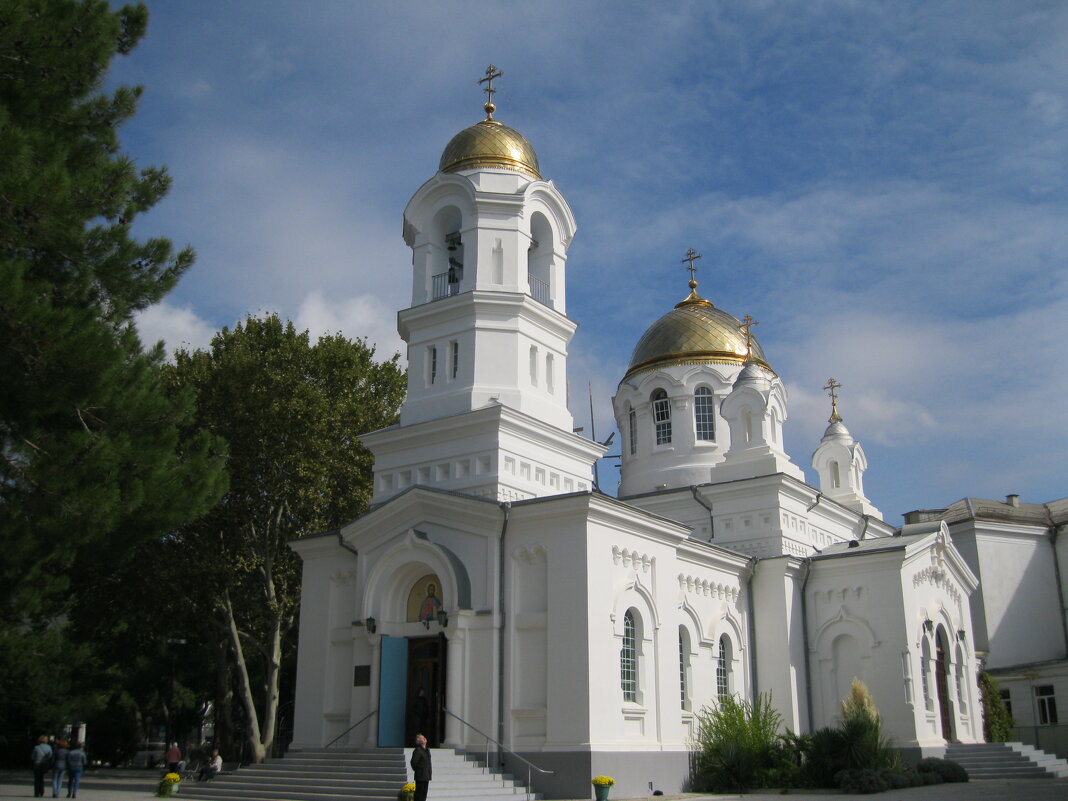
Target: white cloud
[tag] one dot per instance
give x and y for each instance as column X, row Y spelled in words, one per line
column 357, row 318
column 177, row 327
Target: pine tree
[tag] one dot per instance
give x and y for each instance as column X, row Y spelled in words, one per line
column 92, row 451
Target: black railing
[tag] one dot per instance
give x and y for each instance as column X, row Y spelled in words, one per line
column 353, row 726
column 530, row 765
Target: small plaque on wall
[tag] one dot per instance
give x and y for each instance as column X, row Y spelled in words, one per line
column 361, row 676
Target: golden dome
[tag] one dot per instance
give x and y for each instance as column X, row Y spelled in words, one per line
column 490, row 144
column 694, row 332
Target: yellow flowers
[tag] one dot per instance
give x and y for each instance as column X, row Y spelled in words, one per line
column 603, row 781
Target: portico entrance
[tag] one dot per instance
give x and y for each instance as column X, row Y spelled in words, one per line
column 412, row 690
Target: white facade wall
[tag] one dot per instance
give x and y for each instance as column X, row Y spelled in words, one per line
column 1016, row 568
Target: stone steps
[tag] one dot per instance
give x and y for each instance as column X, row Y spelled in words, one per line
column 1005, row 761
column 355, row 775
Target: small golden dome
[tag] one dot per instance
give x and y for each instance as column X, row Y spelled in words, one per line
column 490, row 144
column 694, row 332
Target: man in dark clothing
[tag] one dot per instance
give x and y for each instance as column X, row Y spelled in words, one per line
column 421, row 768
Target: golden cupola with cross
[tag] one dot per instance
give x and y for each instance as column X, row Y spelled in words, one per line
column 670, row 403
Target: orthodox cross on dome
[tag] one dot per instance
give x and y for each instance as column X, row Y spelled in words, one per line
column 831, row 388
column 692, row 256
column 747, row 328
column 491, row 73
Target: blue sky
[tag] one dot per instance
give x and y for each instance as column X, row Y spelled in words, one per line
column 881, row 185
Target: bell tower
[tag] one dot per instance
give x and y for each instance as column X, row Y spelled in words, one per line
column 487, row 329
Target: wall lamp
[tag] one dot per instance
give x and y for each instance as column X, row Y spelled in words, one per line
column 443, row 618
column 372, row 627
column 928, row 625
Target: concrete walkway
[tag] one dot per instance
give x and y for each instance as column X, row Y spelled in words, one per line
column 125, row 786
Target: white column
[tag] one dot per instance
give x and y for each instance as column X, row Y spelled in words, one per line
column 376, row 659
column 454, row 683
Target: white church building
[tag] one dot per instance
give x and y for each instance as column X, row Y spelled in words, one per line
column 491, row 590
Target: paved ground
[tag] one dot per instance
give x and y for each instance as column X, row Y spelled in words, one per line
column 140, row 786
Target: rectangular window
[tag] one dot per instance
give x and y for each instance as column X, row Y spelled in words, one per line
column 1047, row 705
column 662, row 420
column 628, row 661
column 704, row 414
column 455, row 358
column 433, row 364
column 632, row 421
column 1006, row 699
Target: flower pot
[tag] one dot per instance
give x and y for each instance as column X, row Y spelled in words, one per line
column 600, row 791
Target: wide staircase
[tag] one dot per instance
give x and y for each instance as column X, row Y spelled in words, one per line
column 1006, row 761
column 349, row 774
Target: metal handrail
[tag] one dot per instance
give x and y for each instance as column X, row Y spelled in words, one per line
column 350, row 728
column 530, row 765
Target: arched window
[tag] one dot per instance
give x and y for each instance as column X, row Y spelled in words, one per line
column 632, row 423
column 684, row 667
column 703, row 414
column 836, row 476
column 962, row 703
column 628, row 659
column 723, row 669
column 661, row 417
column 925, row 667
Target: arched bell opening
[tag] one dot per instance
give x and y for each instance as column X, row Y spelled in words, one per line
column 446, row 253
column 540, row 259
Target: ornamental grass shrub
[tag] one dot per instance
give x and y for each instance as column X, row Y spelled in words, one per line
column 737, row 744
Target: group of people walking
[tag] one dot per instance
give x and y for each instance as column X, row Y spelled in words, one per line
column 62, row 760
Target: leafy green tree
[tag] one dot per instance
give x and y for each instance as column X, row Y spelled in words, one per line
column 291, row 412
column 997, row 722
column 96, row 454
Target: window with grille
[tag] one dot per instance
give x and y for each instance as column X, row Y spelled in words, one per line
column 1047, row 705
column 455, row 358
column 703, row 413
column 433, row 366
column 684, row 663
column 628, row 660
column 632, row 422
column 662, row 417
column 723, row 669
column 925, row 662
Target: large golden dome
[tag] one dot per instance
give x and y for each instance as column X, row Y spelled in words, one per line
column 694, row 332
column 490, row 144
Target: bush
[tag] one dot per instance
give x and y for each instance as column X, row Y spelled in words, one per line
column 737, row 744
column 826, row 758
column 949, row 770
column 997, row 722
column 863, row 781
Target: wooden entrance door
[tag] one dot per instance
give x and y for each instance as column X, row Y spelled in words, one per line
column 426, row 690
column 942, row 687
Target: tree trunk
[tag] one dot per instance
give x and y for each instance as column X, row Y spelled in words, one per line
column 244, row 688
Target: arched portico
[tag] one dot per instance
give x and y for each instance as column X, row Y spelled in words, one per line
column 410, row 595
